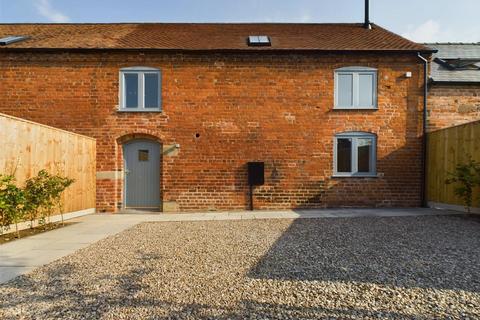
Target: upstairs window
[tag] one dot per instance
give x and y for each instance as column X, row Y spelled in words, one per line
column 354, row 154
column 356, row 88
column 140, row 89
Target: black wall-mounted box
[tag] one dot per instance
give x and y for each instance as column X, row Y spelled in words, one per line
column 256, row 173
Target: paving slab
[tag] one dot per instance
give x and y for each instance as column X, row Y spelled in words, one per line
column 8, row 273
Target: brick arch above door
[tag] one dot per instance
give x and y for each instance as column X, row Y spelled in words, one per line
column 144, row 134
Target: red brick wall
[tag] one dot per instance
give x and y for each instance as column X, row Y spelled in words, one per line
column 276, row 109
column 452, row 104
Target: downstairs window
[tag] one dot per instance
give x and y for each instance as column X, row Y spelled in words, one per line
column 354, row 154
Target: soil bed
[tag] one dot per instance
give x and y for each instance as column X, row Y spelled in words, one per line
column 4, row 238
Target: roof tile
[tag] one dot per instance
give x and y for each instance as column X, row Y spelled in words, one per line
column 207, row 36
column 453, row 51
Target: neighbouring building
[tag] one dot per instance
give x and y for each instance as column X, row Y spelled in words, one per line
column 454, row 89
column 178, row 110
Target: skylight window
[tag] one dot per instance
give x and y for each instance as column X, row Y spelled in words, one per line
column 11, row 39
column 259, row 41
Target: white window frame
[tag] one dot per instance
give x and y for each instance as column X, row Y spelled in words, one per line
column 354, row 155
column 140, row 71
column 356, row 72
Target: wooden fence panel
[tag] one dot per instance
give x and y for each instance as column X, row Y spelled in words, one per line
column 447, row 148
column 27, row 147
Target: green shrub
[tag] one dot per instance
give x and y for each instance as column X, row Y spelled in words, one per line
column 37, row 200
column 43, row 194
column 12, row 202
column 56, row 185
column 466, row 177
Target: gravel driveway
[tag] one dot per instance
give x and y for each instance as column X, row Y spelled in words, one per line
column 396, row 268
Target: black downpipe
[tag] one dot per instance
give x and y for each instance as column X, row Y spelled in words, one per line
column 424, row 133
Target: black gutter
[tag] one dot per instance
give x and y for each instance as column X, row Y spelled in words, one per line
column 455, row 83
column 424, row 131
column 245, row 50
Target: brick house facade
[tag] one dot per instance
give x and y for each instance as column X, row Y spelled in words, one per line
column 223, row 108
column 454, row 90
column 453, row 104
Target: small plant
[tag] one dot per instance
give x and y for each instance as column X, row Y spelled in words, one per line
column 12, row 203
column 58, row 184
column 43, row 195
column 36, row 195
column 467, row 177
column 37, row 200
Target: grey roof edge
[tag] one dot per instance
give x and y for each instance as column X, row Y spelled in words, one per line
column 451, row 43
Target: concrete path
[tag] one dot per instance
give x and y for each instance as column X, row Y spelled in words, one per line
column 21, row 256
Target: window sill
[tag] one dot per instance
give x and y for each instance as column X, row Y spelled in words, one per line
column 354, row 109
column 140, row 110
column 356, row 176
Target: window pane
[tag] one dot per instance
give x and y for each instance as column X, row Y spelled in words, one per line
column 151, row 90
column 263, row 39
column 364, row 146
column 344, row 155
column 131, row 90
column 142, row 155
column 365, row 90
column 345, row 90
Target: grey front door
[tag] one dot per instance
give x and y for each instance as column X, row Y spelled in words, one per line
column 142, row 174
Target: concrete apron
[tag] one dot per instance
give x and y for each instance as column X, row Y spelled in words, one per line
column 21, row 256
